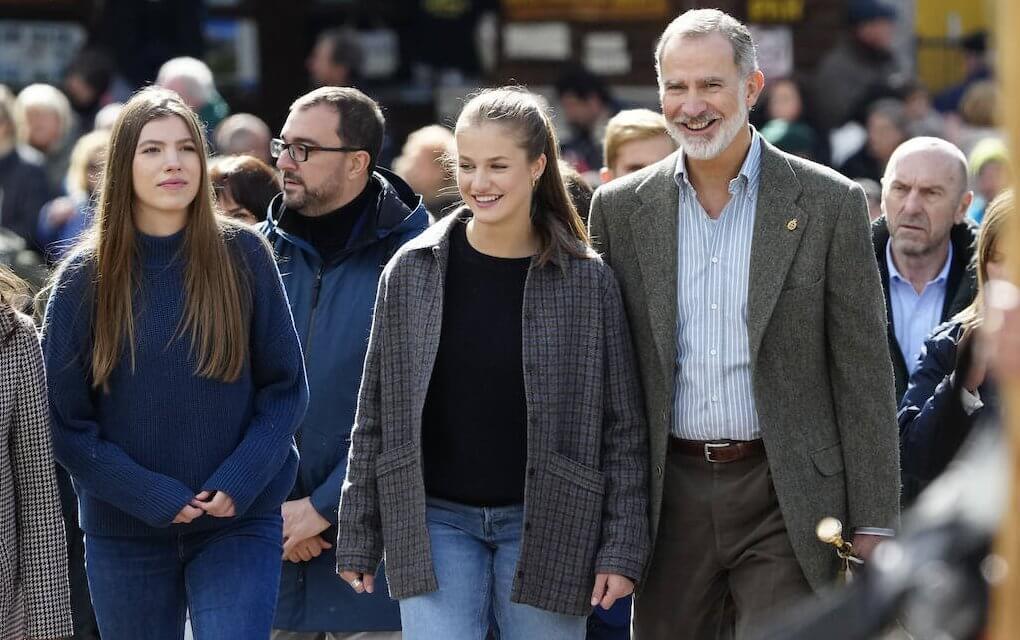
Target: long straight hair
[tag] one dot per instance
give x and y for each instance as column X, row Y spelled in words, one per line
column 217, row 293
column 558, row 224
column 998, row 217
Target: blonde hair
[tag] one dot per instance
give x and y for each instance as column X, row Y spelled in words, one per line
column 998, row 217
column 90, row 149
column 979, row 105
column 630, row 125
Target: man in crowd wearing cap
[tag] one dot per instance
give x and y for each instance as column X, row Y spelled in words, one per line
column 861, row 68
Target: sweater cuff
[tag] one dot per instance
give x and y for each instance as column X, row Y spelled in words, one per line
column 163, row 501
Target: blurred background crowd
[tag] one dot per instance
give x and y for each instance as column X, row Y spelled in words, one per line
column 847, row 82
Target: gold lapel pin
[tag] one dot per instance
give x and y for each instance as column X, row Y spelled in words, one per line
column 792, row 225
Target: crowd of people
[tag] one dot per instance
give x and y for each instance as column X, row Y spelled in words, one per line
column 283, row 391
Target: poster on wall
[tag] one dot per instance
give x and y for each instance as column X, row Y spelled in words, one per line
column 33, row 51
column 586, row 10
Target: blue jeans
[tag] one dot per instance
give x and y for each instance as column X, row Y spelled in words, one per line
column 227, row 578
column 475, row 552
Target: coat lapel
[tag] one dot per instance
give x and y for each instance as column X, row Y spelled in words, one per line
column 779, row 225
column 654, row 227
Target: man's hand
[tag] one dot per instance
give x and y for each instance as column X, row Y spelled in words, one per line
column 300, row 522
column 305, row 550
column 610, row 587
column 360, row 582
column 864, row 544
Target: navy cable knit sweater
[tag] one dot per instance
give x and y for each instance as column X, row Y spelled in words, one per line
column 162, row 434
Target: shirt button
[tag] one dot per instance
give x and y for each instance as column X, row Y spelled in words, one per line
column 712, row 352
column 658, row 470
column 713, row 306
column 531, row 472
column 527, row 526
column 715, row 398
column 715, row 260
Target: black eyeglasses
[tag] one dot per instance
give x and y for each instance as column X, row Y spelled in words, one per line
column 299, row 152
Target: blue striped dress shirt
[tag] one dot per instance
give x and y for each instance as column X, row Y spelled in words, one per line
column 915, row 314
column 713, row 398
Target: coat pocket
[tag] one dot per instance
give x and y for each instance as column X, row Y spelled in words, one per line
column 567, row 514
column 401, row 508
column 829, row 460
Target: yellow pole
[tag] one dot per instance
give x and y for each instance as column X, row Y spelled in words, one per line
column 1005, row 614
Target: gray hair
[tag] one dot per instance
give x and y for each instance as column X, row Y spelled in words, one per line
column 47, row 96
column 697, row 23
column 195, row 76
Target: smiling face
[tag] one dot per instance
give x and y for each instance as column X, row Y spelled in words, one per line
column 166, row 172
column 922, row 198
column 704, row 98
column 494, row 175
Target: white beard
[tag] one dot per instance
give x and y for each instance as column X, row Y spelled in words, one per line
column 700, row 148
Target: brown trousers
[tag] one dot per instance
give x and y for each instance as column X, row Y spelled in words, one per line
column 722, row 563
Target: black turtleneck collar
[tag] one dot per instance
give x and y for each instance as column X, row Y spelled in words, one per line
column 330, row 233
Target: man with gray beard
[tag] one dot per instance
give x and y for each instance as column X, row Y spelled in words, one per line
column 336, row 224
column 758, row 319
column 924, row 244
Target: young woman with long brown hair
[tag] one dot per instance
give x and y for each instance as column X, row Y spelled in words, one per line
column 176, row 386
column 34, row 596
column 498, row 454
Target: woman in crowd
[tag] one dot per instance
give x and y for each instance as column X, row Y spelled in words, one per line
column 176, row 385
column 244, row 187
column 933, row 423
column 34, row 596
column 50, row 129
column 63, row 219
column 499, row 451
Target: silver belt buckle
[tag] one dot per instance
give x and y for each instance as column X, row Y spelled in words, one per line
column 710, row 446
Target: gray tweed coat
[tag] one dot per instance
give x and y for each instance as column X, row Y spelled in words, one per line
column 816, row 323
column 585, row 499
column 34, row 596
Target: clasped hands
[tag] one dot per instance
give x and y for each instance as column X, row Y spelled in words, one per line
column 302, row 525
column 216, row 503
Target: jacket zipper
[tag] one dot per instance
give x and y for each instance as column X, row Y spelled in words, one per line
column 316, row 287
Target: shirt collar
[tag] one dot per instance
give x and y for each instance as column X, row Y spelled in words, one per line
column 894, row 273
column 749, row 170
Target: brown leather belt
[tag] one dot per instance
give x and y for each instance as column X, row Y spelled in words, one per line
column 717, row 451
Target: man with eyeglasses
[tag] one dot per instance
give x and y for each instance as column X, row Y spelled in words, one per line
column 336, row 224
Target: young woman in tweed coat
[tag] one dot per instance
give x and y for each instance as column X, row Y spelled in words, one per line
column 35, row 600
column 498, row 454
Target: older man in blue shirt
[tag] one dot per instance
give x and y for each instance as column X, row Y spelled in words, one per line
column 924, row 245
